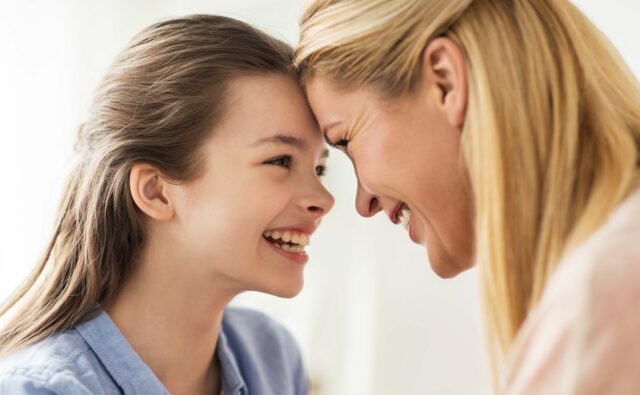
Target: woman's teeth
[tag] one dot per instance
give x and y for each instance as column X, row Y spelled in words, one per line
column 290, row 241
column 404, row 217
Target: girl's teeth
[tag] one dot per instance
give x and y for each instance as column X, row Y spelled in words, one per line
column 299, row 238
column 289, row 248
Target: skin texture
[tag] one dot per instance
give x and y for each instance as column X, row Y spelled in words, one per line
column 204, row 237
column 407, row 150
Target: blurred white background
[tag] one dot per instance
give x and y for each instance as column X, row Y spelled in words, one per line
column 372, row 318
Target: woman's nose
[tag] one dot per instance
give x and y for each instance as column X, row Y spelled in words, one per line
column 367, row 204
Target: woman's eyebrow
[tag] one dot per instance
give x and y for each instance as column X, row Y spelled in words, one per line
column 285, row 139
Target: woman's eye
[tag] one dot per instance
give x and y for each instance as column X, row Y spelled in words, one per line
column 341, row 144
column 282, row 161
column 321, row 170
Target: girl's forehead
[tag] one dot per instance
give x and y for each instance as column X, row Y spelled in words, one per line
column 263, row 106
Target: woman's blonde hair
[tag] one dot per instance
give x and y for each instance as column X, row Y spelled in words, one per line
column 157, row 104
column 552, row 130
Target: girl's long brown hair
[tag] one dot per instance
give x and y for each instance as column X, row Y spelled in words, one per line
column 157, row 104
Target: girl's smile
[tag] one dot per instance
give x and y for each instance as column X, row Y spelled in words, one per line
column 260, row 198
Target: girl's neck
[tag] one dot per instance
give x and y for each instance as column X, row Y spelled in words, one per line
column 172, row 321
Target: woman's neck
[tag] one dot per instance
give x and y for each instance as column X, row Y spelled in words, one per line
column 172, row 320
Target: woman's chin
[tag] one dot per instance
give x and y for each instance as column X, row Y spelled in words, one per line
column 443, row 266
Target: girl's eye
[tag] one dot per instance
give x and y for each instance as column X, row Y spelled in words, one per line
column 341, row 143
column 282, row 161
column 321, row 170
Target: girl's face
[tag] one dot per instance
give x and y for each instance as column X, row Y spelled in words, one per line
column 248, row 218
column 409, row 164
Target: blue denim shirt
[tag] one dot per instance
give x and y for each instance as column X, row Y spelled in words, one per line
column 257, row 356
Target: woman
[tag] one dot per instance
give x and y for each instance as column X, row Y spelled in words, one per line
column 507, row 134
column 198, row 179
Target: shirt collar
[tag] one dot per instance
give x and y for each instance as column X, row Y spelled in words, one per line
column 121, row 361
column 232, row 381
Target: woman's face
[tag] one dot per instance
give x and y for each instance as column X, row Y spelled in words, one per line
column 249, row 217
column 408, row 160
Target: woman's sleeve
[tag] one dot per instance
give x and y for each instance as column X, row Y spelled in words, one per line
column 584, row 337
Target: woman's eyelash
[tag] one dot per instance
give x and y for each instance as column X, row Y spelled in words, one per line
column 341, row 143
column 282, row 161
column 321, row 170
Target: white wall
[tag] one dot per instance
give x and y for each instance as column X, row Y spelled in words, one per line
column 372, row 319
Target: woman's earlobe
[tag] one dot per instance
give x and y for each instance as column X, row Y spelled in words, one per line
column 150, row 193
column 444, row 64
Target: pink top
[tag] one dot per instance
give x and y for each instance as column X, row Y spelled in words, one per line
column 584, row 336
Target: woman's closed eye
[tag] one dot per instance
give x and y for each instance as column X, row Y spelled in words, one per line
column 341, row 143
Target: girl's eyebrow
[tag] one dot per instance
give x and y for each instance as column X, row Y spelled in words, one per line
column 285, row 139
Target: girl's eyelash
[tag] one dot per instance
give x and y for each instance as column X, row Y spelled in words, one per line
column 285, row 161
column 321, row 170
column 282, row 161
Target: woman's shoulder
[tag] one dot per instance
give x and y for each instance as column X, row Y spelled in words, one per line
column 599, row 281
column 53, row 365
column 607, row 264
column 583, row 335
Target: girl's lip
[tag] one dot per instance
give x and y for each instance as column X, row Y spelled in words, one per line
column 301, row 258
column 307, row 229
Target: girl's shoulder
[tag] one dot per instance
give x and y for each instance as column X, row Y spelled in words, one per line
column 53, row 365
column 247, row 328
column 259, row 354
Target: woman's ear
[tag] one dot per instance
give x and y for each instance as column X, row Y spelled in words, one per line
column 444, row 70
column 150, row 192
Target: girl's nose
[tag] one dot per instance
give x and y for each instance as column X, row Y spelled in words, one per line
column 320, row 201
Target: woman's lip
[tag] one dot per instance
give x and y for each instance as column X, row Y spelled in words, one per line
column 297, row 258
column 411, row 231
column 393, row 215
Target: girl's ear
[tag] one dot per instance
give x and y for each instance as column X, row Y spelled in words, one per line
column 443, row 65
column 150, row 192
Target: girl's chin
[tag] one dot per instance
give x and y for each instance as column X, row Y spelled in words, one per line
column 284, row 288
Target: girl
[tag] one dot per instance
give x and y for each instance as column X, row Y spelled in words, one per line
column 198, row 179
column 505, row 133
